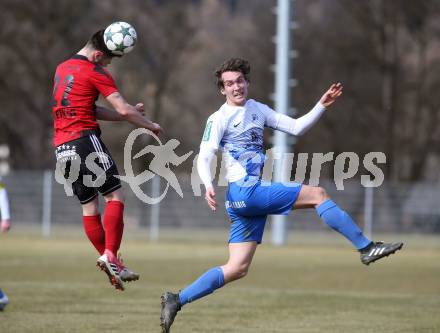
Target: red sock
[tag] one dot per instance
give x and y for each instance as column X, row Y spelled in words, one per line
column 95, row 232
column 114, row 225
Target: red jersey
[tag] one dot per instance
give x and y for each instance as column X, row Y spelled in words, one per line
column 77, row 85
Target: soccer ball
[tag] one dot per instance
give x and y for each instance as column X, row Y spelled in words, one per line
column 120, row 38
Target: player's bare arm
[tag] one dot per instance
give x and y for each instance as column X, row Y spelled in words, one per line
column 103, row 113
column 132, row 114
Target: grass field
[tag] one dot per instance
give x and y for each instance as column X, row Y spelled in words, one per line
column 315, row 284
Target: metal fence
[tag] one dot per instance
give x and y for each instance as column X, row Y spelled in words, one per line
column 36, row 198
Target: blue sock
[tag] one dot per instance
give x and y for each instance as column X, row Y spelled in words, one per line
column 204, row 285
column 340, row 221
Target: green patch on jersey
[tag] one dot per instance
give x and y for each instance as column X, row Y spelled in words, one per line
column 207, row 133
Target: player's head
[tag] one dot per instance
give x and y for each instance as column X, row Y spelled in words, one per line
column 233, row 80
column 99, row 53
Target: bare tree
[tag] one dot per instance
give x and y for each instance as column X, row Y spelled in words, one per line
column 380, row 51
column 385, row 53
column 34, row 37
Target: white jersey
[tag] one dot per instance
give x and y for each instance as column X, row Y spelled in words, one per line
column 238, row 132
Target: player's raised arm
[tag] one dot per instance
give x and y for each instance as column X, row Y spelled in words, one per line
column 132, row 114
column 300, row 125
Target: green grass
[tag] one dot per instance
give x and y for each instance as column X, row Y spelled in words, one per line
column 315, row 284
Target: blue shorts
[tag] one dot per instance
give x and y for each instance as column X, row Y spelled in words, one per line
column 248, row 207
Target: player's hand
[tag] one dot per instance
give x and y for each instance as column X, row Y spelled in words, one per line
column 5, row 226
column 331, row 95
column 140, row 108
column 156, row 129
column 210, row 198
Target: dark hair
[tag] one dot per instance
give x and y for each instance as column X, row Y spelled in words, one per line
column 97, row 42
column 232, row 65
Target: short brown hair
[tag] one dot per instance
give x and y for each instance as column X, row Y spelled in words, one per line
column 232, row 65
column 97, row 42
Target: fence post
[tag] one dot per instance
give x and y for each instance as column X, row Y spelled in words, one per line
column 155, row 209
column 46, row 219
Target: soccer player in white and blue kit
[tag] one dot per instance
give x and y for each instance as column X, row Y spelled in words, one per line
column 237, row 129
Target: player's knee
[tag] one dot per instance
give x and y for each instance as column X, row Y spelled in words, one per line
column 320, row 195
column 91, row 208
column 239, row 272
column 115, row 196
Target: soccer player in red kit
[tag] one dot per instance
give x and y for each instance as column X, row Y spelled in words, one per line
column 78, row 82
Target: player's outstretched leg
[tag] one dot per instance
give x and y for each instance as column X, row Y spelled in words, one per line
column 340, row 221
column 378, row 250
column 170, row 306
